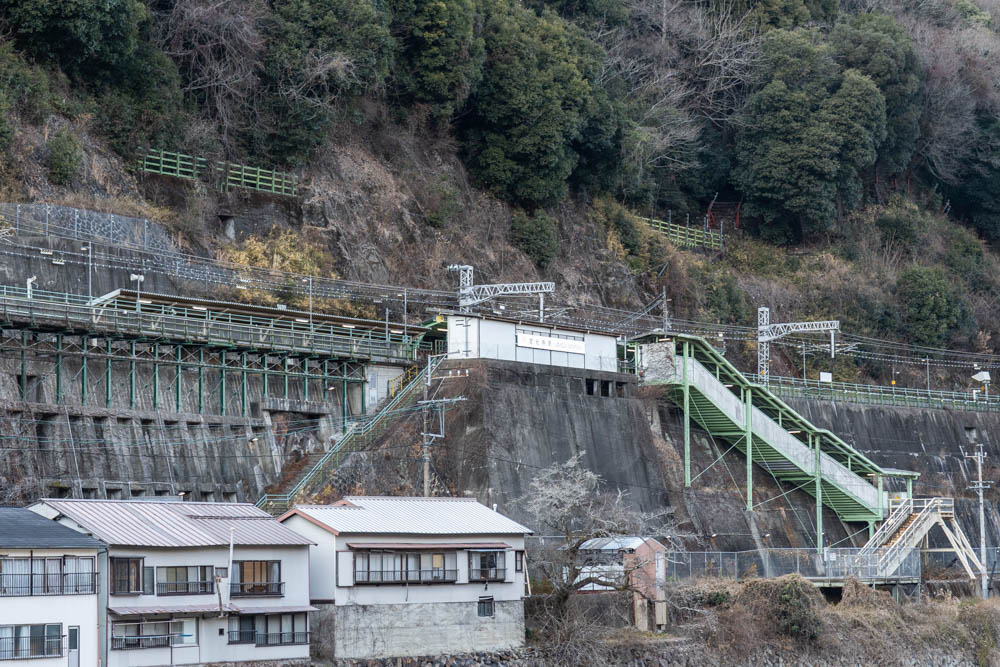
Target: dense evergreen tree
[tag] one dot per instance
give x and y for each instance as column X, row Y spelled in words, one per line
column 528, row 109
column 878, row 47
column 441, row 54
column 85, row 37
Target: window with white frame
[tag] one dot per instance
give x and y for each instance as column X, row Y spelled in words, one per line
column 377, row 566
column 60, row 575
column 30, row 641
column 269, row 629
column 486, row 566
column 131, row 635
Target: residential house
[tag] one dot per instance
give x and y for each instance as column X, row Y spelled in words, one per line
column 48, row 592
column 630, row 563
column 194, row 583
column 413, row 576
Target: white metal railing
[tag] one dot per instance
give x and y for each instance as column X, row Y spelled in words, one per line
column 777, row 437
column 926, row 512
column 901, row 511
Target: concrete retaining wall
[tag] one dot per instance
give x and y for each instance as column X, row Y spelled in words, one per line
column 381, row 631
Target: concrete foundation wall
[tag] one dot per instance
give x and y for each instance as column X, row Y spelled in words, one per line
column 379, row 631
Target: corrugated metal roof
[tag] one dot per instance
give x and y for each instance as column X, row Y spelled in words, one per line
column 152, row 523
column 207, row 609
column 21, row 528
column 291, row 609
column 169, row 609
column 409, row 516
column 616, row 543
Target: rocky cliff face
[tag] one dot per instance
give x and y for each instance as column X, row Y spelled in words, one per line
column 519, row 418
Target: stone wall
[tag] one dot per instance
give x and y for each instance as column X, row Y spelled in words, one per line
column 380, row 631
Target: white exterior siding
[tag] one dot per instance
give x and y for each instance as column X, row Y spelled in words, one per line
column 210, row 646
column 391, row 577
column 472, row 337
column 80, row 610
column 327, row 566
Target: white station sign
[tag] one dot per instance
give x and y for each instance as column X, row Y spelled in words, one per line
column 549, row 343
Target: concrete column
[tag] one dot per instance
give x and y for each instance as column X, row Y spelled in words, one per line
column 748, row 436
column 687, row 413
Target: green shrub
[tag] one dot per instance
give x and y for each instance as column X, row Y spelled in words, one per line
column 932, row 310
column 899, row 226
column 26, row 87
column 64, row 159
column 536, row 236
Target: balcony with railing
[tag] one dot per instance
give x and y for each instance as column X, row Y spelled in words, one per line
column 267, row 638
column 36, row 647
column 257, row 589
column 185, row 588
column 487, row 574
column 141, row 641
column 433, row 576
column 24, row 585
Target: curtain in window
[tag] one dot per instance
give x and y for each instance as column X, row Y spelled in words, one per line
column 85, row 574
column 53, row 575
column 6, row 641
column 15, row 576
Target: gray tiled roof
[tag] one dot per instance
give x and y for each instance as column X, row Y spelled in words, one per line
column 23, row 529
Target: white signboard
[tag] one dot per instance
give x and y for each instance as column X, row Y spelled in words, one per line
column 825, row 377
column 549, row 343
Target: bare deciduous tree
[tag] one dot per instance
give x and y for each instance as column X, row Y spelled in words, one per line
column 218, row 48
column 569, row 508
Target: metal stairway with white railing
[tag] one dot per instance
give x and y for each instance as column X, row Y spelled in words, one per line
column 733, row 408
column 906, row 527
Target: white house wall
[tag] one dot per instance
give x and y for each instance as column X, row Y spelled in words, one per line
column 212, row 647
column 322, row 557
column 69, row 610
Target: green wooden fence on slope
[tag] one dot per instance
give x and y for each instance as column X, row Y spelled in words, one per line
column 226, row 174
column 684, row 236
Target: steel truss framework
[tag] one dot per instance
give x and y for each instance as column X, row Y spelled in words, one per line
column 174, row 369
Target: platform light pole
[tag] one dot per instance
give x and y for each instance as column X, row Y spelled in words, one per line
column 90, row 271
column 138, row 278
column 310, row 281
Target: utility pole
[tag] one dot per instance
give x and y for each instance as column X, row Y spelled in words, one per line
column 426, row 432
column 979, row 486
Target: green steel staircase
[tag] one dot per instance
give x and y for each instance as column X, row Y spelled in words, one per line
column 732, row 408
column 359, row 436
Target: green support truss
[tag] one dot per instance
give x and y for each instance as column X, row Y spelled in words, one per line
column 772, row 435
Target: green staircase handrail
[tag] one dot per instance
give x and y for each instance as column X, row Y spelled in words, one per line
column 357, row 430
column 838, row 492
column 789, row 416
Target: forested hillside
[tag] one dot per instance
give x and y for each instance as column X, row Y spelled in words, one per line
column 862, row 138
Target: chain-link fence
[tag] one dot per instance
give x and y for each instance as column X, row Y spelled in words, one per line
column 830, row 564
column 80, row 224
